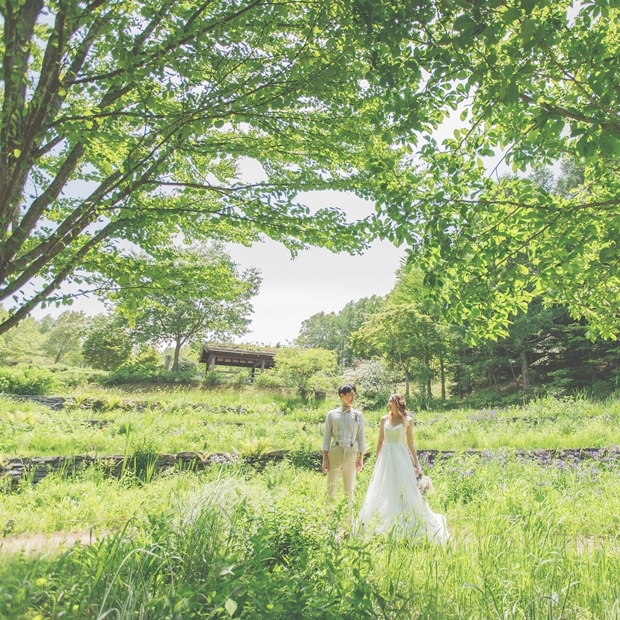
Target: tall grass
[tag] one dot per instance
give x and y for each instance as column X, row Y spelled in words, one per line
column 530, row 539
column 229, row 549
column 225, row 421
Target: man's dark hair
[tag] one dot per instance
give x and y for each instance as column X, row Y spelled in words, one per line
column 346, row 388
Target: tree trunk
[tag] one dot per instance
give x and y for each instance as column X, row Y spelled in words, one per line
column 406, row 384
column 177, row 353
column 512, row 370
column 429, row 392
column 442, row 374
column 525, row 372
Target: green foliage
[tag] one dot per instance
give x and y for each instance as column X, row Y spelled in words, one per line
column 262, row 545
column 408, row 333
column 69, row 377
column 144, row 459
column 333, row 331
column 474, row 91
column 188, row 366
column 23, row 343
column 27, row 379
column 146, row 366
column 305, row 457
column 107, row 344
column 374, row 382
column 88, row 105
column 404, row 337
column 307, row 370
column 202, row 297
column 64, row 336
column 268, row 379
column 212, row 378
column 254, row 448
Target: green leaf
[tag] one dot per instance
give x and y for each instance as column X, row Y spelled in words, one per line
column 510, row 15
column 608, row 254
column 465, row 23
column 528, row 28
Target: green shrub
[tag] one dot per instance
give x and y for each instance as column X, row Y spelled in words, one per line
column 373, row 381
column 26, row 379
column 146, row 367
column 74, row 376
column 188, row 366
column 268, row 379
column 307, row 370
column 212, row 378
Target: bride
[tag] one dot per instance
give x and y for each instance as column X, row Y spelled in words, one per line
column 393, row 502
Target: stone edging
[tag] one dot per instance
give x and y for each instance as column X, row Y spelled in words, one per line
column 36, row 468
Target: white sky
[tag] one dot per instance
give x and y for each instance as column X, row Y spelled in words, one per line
column 292, row 290
column 317, row 280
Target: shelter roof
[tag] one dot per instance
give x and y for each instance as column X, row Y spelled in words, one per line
column 237, row 357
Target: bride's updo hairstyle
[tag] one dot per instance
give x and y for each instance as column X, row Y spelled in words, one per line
column 401, row 405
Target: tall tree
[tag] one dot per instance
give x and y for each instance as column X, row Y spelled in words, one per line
column 202, row 296
column 23, row 343
column 65, row 335
column 526, row 333
column 108, row 342
column 333, row 331
column 522, row 82
column 123, row 123
column 404, row 337
column 307, row 370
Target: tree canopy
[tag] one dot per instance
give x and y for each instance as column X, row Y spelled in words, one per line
column 108, row 342
column 65, row 335
column 124, row 123
column 333, row 331
column 203, row 297
column 518, row 83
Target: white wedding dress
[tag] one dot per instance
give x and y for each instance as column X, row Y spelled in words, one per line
column 393, row 502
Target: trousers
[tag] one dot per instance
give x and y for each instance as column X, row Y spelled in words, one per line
column 341, row 464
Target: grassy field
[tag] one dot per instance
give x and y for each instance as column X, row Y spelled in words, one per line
column 214, row 421
column 530, row 538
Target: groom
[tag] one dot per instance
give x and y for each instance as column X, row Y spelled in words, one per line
column 344, row 443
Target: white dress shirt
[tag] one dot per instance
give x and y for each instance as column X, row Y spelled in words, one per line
column 344, row 429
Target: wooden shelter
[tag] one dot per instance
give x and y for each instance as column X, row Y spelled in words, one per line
column 242, row 358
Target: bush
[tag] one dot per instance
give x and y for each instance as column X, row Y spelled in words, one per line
column 146, row 367
column 373, row 381
column 73, row 376
column 213, row 378
column 27, row 379
column 307, row 370
column 268, row 379
column 188, row 366
column 237, row 378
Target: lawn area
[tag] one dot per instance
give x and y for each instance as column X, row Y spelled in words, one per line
column 530, row 538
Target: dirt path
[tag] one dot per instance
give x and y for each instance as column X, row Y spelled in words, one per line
column 38, row 544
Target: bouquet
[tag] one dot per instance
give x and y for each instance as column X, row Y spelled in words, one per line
column 425, row 484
